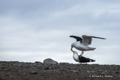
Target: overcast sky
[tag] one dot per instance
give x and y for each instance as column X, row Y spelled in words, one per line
column 33, row 30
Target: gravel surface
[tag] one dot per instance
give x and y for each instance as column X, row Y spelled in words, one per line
column 14, row 70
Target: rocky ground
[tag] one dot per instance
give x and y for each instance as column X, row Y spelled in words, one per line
column 51, row 70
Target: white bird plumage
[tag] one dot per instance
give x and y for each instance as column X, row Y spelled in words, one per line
column 75, row 56
column 81, row 59
column 83, row 43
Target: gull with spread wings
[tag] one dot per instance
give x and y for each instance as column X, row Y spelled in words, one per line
column 82, row 43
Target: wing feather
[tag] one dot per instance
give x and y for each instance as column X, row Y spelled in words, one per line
column 77, row 38
column 87, row 40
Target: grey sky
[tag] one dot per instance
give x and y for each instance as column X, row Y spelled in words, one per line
column 32, row 30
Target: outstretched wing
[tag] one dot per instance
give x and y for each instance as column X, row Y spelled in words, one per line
column 77, row 38
column 87, row 40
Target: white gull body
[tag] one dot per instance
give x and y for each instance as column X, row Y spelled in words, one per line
column 83, row 43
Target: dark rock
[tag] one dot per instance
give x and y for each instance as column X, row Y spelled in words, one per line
column 64, row 69
column 46, row 68
column 117, row 72
column 64, row 63
column 37, row 62
column 34, row 72
column 2, row 79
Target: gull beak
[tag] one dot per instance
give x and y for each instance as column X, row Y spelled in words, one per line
column 72, row 50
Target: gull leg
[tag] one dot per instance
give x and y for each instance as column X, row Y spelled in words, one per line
column 82, row 53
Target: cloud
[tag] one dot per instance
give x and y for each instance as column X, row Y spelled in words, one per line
column 35, row 30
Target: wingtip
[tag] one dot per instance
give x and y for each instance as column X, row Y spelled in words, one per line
column 103, row 38
column 71, row 36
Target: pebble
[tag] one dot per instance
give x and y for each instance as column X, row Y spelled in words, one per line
column 117, row 72
column 34, row 72
column 46, row 68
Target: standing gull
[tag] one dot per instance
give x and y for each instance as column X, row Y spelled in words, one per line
column 83, row 43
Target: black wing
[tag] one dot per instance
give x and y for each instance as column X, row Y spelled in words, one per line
column 77, row 38
column 84, row 59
